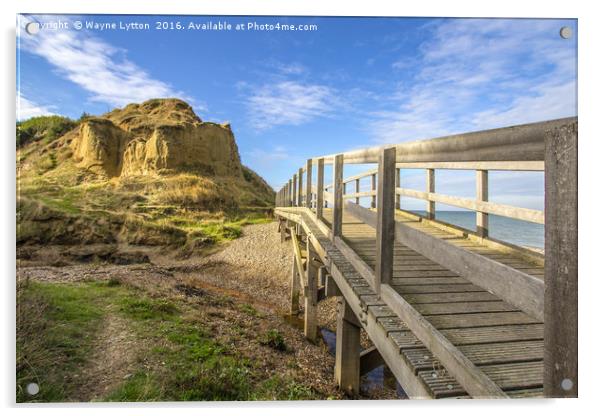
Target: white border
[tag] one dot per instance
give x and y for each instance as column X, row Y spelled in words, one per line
column 590, row 152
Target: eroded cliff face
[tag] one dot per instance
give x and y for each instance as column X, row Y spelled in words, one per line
column 157, row 136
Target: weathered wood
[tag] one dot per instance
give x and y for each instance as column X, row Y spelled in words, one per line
column 385, row 230
column 308, row 187
column 430, row 188
column 516, row 143
column 561, row 309
column 294, row 195
column 297, row 254
column 525, row 214
column 331, row 287
column 282, row 226
column 482, row 195
column 311, row 298
column 369, row 360
column 357, row 191
column 397, row 185
column 515, row 287
column 300, row 188
column 337, row 213
column 347, row 358
column 295, row 288
column 373, row 188
column 320, row 190
column 528, row 166
column 465, row 372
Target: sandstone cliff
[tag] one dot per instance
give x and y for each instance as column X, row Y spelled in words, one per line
column 157, row 136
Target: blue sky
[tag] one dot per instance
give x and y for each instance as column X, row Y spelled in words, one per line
column 352, row 83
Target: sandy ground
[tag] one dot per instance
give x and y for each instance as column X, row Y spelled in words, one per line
column 253, row 269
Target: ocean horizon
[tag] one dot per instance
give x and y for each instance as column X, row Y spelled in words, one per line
column 521, row 233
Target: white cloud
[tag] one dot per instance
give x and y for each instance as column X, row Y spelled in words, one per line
column 288, row 103
column 97, row 67
column 27, row 108
column 475, row 74
column 262, row 156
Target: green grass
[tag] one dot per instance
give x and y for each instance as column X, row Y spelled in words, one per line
column 58, row 325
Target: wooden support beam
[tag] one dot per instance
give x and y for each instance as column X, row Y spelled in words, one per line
column 282, row 226
column 482, row 196
column 357, row 190
column 322, row 273
column 430, row 188
column 311, row 296
column 300, row 188
column 560, row 310
column 347, row 359
column 373, row 188
column 385, row 228
column 369, row 360
column 308, row 179
column 337, row 214
column 320, row 190
column 295, row 288
column 331, row 287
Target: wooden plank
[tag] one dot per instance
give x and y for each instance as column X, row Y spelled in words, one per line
column 297, row 253
column 482, row 354
column 463, row 297
column 482, row 195
column 428, row 280
column 295, row 288
column 465, row 372
column 473, row 320
column 506, row 333
column 529, row 166
column 524, row 214
column 373, row 188
column 294, row 196
column 462, row 307
column 515, row 143
column 458, row 288
column 561, row 309
column 320, row 190
column 385, row 231
column 337, row 213
column 513, row 286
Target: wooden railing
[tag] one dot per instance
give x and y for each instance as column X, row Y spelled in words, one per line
column 549, row 146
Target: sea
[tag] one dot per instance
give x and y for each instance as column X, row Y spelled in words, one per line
column 517, row 232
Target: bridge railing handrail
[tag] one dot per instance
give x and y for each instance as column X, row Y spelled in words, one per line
column 549, row 146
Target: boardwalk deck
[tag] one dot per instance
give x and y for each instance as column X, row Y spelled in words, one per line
column 452, row 313
column 505, row 343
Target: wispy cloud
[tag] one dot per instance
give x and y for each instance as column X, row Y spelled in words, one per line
column 98, row 67
column 289, row 103
column 481, row 73
column 27, row 108
column 263, row 156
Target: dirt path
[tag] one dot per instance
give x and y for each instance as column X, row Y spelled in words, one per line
column 113, row 360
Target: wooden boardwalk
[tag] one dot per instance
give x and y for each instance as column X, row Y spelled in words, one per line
column 452, row 313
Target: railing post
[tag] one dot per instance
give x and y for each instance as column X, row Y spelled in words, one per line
column 357, row 191
column 337, row 210
column 289, row 193
column 373, row 187
column 347, row 356
column 311, row 295
column 560, row 300
column 397, row 185
column 320, row 190
column 308, row 179
column 430, row 188
column 300, row 188
column 483, row 196
column 294, row 198
column 385, row 227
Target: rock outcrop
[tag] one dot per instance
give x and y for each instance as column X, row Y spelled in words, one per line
column 157, row 136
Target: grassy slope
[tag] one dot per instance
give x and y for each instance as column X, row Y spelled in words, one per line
column 60, row 203
column 56, row 333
